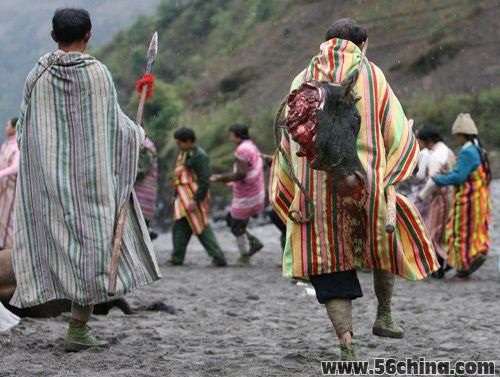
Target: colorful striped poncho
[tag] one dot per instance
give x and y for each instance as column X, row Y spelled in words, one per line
column 468, row 228
column 187, row 187
column 388, row 152
column 77, row 169
column 9, row 165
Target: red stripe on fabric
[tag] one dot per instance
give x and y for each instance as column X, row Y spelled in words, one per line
column 332, row 63
column 384, row 104
column 408, row 162
column 329, row 220
column 376, row 131
column 416, row 229
column 313, row 230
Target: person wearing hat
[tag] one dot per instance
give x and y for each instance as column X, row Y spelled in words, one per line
column 468, row 228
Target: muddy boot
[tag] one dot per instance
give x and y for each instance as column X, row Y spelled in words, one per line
column 255, row 244
column 79, row 337
column 243, row 261
column 340, row 313
column 384, row 325
column 349, row 352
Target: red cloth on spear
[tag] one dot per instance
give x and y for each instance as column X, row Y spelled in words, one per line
column 149, row 80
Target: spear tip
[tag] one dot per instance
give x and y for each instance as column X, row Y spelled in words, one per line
column 153, row 48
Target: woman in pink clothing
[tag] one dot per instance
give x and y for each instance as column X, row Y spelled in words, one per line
column 247, row 181
column 9, row 165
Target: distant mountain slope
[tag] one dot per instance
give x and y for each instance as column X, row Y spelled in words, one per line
column 25, row 35
column 233, row 60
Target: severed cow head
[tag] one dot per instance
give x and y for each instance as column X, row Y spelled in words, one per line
column 324, row 121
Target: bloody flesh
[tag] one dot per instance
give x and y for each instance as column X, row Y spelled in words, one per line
column 301, row 120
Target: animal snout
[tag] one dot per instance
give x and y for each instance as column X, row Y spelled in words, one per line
column 353, row 185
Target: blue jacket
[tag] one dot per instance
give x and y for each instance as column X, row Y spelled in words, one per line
column 468, row 161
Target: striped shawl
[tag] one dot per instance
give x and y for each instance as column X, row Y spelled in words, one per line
column 78, row 164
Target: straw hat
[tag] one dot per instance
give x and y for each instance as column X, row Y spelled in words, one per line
column 464, row 125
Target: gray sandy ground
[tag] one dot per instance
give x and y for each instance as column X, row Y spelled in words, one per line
column 253, row 322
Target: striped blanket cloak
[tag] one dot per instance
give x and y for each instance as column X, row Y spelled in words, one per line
column 78, row 165
column 388, row 151
column 9, row 165
column 468, row 228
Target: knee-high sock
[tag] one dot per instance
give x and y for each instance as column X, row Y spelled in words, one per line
column 340, row 313
column 383, row 282
column 81, row 313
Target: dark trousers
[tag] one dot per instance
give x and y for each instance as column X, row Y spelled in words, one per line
column 275, row 219
column 239, row 228
column 342, row 284
column 181, row 234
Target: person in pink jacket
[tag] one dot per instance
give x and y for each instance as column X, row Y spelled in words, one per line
column 9, row 165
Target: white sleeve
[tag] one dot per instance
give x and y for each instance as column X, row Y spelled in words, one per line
column 438, row 159
column 423, row 161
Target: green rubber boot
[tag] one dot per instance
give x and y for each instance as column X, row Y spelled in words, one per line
column 385, row 326
column 79, row 337
column 348, row 352
column 255, row 244
column 244, row 260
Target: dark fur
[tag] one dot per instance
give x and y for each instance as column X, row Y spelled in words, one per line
column 338, row 127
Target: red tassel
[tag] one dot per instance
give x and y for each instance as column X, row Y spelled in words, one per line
column 149, row 80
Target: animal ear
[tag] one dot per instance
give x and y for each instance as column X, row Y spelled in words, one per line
column 350, row 81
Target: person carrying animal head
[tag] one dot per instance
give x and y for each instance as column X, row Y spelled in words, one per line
column 361, row 145
column 78, row 165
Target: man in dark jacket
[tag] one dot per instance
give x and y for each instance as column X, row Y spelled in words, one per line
column 191, row 202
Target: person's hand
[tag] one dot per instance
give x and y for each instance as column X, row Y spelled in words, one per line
column 215, row 178
column 266, row 157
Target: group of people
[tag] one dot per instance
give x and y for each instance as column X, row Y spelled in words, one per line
column 78, row 161
column 191, row 199
column 453, row 196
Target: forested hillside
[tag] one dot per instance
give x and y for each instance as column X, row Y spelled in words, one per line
column 222, row 61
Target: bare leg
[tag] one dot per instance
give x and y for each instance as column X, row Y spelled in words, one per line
column 81, row 313
column 340, row 314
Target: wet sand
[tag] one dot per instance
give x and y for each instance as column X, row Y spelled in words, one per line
column 252, row 322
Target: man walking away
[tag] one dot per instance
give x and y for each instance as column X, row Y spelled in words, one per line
column 78, row 165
